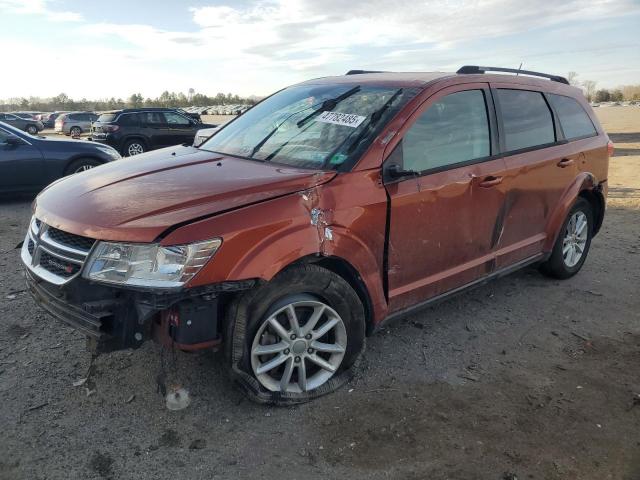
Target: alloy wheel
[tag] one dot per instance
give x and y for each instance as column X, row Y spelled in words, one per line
column 575, row 239
column 299, row 347
column 135, row 149
column 83, row 168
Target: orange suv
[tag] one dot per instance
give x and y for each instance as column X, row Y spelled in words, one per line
column 333, row 205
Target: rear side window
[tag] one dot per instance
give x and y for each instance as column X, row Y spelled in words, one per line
column 107, row 117
column 574, row 120
column 151, row 118
column 526, row 118
column 453, row 130
column 128, row 119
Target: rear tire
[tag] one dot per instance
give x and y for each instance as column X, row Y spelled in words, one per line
column 572, row 245
column 81, row 165
column 75, row 131
column 310, row 362
column 32, row 129
column 134, row 147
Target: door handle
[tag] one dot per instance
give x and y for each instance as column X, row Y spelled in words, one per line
column 566, row 162
column 490, row 182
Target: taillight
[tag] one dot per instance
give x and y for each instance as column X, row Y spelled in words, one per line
column 610, row 148
column 110, row 128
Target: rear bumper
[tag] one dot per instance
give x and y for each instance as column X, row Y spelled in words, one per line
column 116, row 319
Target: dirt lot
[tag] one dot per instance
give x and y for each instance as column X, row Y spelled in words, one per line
column 525, row 378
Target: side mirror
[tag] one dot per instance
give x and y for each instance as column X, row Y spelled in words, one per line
column 14, row 140
column 395, row 172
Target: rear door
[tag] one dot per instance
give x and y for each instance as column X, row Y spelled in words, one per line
column 21, row 166
column 539, row 169
column 181, row 129
column 442, row 225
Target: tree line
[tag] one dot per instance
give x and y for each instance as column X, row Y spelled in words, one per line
column 136, row 100
column 594, row 94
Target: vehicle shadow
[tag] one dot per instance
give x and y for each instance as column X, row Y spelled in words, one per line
column 629, row 137
column 623, row 192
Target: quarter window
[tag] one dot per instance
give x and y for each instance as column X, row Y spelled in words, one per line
column 526, row 118
column 574, row 120
column 453, row 130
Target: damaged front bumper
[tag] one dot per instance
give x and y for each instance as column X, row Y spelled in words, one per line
column 114, row 318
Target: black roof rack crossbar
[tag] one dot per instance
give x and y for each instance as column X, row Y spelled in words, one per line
column 470, row 69
column 360, row 72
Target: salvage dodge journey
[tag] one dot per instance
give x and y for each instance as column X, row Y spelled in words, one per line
column 333, row 205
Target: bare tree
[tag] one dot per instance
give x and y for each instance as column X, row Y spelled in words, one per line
column 572, row 77
column 590, row 89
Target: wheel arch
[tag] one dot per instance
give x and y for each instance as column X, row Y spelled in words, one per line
column 81, row 156
column 584, row 185
column 596, row 200
column 349, row 274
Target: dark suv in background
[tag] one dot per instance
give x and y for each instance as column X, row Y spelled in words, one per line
column 136, row 130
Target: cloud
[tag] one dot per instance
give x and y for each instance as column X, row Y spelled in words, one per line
column 262, row 45
column 38, row 7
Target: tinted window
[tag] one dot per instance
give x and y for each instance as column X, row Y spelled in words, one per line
column 175, row 119
column 526, row 118
column 3, row 136
column 455, row 129
column 128, row 119
column 147, row 118
column 106, row 117
column 73, row 116
column 574, row 120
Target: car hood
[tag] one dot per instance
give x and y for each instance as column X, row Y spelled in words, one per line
column 138, row 198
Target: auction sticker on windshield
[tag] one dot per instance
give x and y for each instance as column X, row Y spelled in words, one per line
column 346, row 119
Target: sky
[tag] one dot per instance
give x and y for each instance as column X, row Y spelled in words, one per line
column 96, row 49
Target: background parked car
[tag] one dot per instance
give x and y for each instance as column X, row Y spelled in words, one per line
column 203, row 134
column 75, row 123
column 26, row 115
column 28, row 125
column 50, row 121
column 28, row 164
column 136, row 130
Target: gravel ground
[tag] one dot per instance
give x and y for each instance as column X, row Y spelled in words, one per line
column 523, row 378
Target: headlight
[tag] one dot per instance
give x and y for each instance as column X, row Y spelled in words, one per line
column 112, row 152
column 148, row 265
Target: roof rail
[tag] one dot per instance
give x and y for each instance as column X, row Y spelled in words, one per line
column 470, row 69
column 360, row 72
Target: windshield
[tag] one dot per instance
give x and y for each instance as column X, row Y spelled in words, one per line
column 311, row 126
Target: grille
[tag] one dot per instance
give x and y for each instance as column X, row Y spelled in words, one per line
column 58, row 266
column 54, row 255
column 70, row 240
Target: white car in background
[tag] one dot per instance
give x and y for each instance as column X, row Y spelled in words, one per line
column 203, row 135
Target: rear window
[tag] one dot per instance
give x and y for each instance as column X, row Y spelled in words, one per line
column 526, row 118
column 107, row 117
column 574, row 120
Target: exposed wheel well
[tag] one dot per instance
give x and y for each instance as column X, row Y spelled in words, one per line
column 343, row 268
column 596, row 200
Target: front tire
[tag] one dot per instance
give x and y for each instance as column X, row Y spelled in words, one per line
column 572, row 245
column 81, row 165
column 295, row 338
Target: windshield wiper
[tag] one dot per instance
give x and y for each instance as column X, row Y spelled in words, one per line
column 328, row 105
column 261, row 143
column 375, row 118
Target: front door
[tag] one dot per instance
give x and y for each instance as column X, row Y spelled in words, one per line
column 181, row 129
column 444, row 220
column 21, row 166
